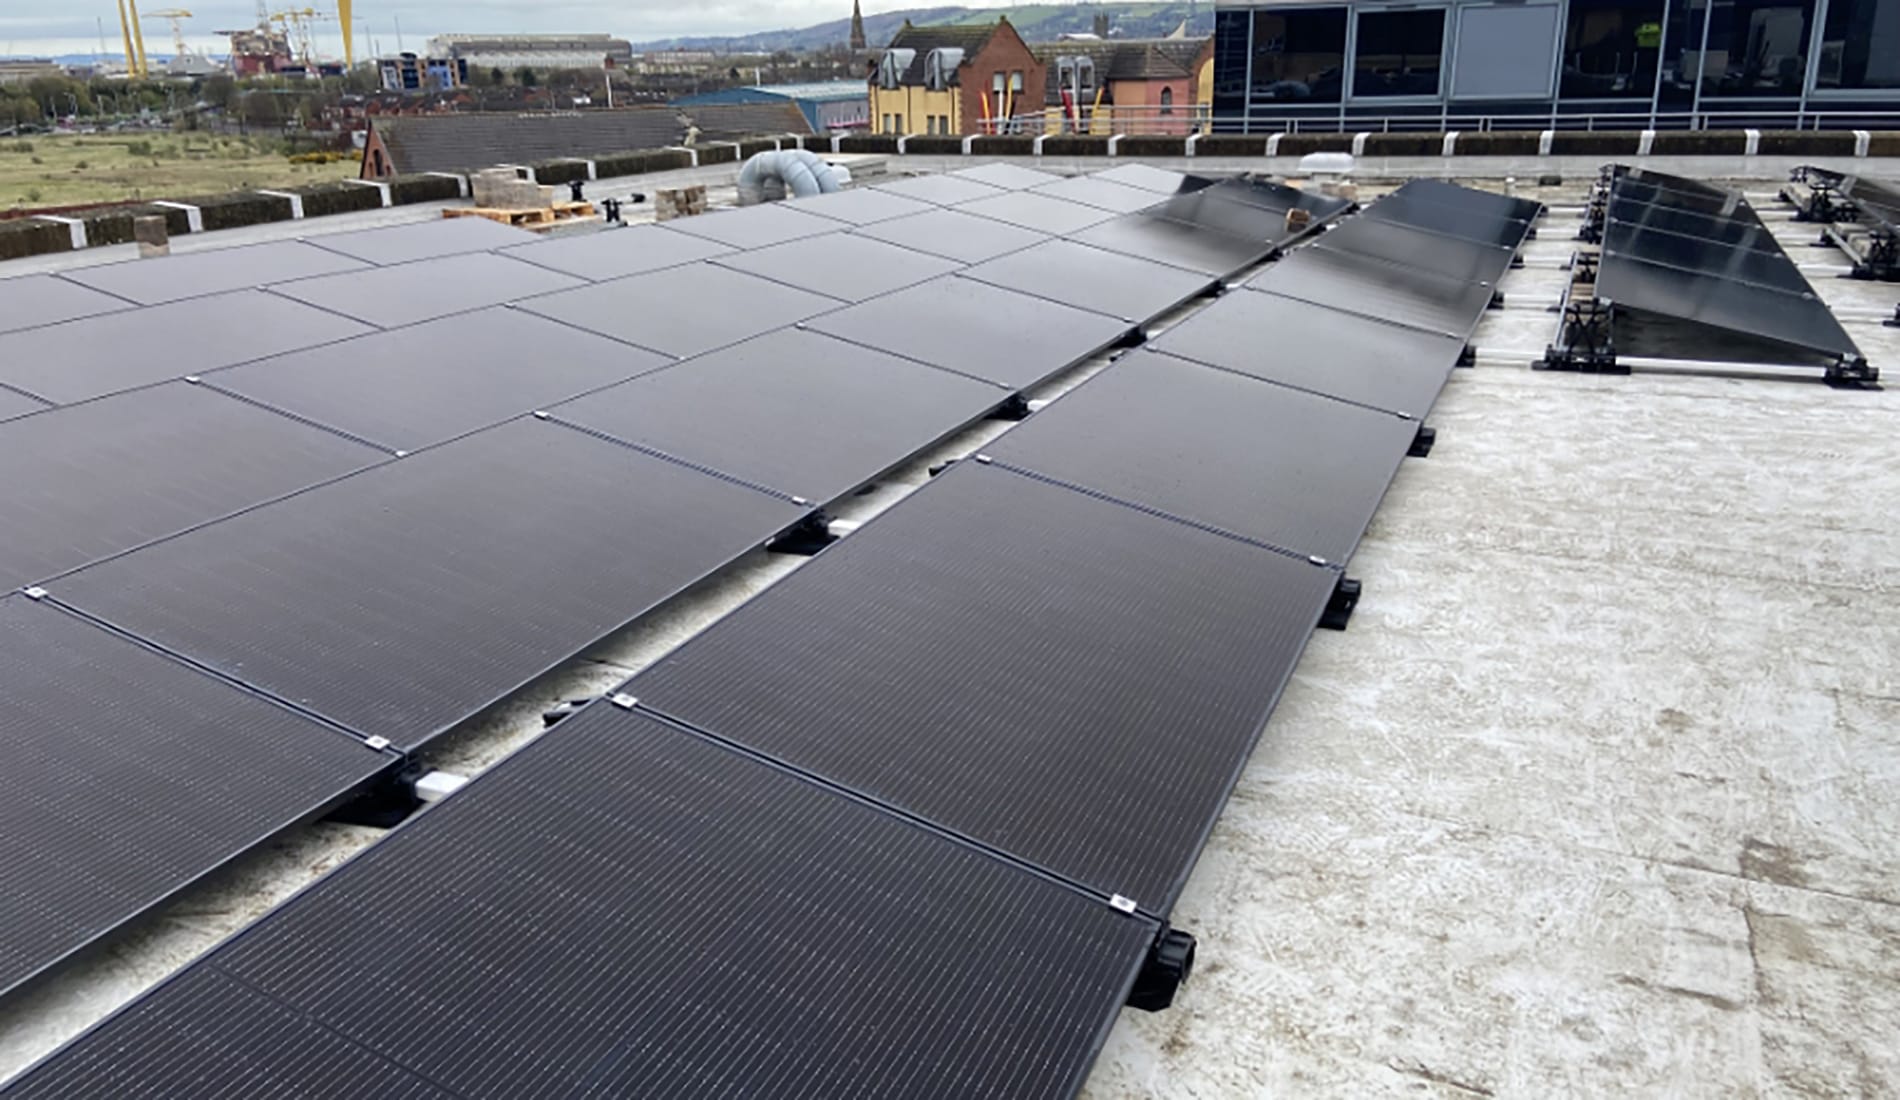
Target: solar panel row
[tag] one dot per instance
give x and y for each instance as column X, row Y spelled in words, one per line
column 223, row 448
column 905, row 823
column 1684, row 249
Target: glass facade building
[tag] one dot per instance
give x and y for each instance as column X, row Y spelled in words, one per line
column 1604, row 64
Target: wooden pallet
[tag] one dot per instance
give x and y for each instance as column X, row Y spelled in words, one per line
column 532, row 218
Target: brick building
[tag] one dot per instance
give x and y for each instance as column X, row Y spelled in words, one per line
column 956, row 80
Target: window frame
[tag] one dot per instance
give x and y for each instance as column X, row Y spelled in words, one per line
column 1447, row 22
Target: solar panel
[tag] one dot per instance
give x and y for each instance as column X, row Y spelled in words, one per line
column 943, row 190
column 954, row 236
column 118, row 351
column 1098, row 192
column 755, row 226
column 1712, row 282
column 861, row 206
column 1799, row 320
column 1473, row 201
column 1368, row 287
column 623, row 909
column 1314, row 348
column 805, row 414
column 1282, row 467
column 845, row 266
column 30, row 300
column 1106, row 282
column 14, row 404
column 426, row 240
column 1069, row 680
column 613, row 253
column 213, row 271
column 1452, row 257
column 1743, row 231
column 1010, row 177
column 412, row 387
column 426, row 289
column 1152, row 237
column 1715, row 259
column 1255, row 210
column 92, row 480
column 1038, row 212
column 126, row 775
column 685, row 310
column 1149, row 178
column 1404, row 207
column 976, row 329
column 404, row 599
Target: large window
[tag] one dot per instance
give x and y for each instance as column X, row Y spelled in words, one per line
column 1757, row 48
column 1860, row 45
column 1232, row 41
column 1610, row 49
column 1299, row 55
column 1397, row 53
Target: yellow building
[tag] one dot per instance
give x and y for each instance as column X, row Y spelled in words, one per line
column 956, row 80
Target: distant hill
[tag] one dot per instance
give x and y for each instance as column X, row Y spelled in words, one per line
column 1035, row 22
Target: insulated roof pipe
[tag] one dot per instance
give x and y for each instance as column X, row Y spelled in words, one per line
column 801, row 171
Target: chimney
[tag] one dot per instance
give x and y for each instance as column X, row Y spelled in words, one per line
column 1101, row 24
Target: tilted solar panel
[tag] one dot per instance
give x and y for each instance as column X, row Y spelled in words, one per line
column 626, row 909
column 954, row 235
column 1369, row 287
column 28, row 301
column 613, row 254
column 683, row 310
column 407, row 598
column 1067, row 679
column 213, row 271
column 401, row 244
column 845, row 266
column 1107, row 282
column 126, row 775
column 426, row 289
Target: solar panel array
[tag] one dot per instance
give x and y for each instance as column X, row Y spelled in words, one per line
column 1685, row 249
column 907, row 822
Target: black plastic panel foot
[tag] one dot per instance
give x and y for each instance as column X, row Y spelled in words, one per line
column 1170, row 961
column 805, row 538
column 1340, row 607
column 1467, row 357
column 1133, row 338
column 560, row 710
column 1016, row 408
column 1422, row 442
column 1851, row 372
column 1894, row 321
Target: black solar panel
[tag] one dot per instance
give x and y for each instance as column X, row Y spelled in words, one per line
column 1743, row 231
column 1092, row 278
column 404, row 599
column 400, row 244
column 1151, row 237
column 1094, row 191
column 1714, row 259
column 805, row 414
column 118, row 351
column 1798, row 320
column 845, row 266
column 614, row 253
column 1251, row 208
column 1149, row 178
column 976, row 329
column 684, row 310
column 1319, row 349
column 96, row 479
column 1276, row 465
column 1040, row 213
column 1720, row 282
column 943, row 190
column 406, row 389
column 755, row 226
column 626, row 909
column 426, row 289
column 1070, row 680
column 214, row 271
column 1409, row 208
column 13, row 403
column 954, row 236
column 1369, row 287
column 1010, row 177
column 126, row 775
column 861, row 206
column 1473, row 201
column 30, row 300
column 1452, row 257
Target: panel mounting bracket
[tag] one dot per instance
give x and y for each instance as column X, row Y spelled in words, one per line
column 804, row 538
column 1584, row 342
column 1340, row 605
column 1422, row 442
column 1166, row 969
column 1852, row 372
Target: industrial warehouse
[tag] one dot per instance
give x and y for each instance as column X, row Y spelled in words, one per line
column 1030, row 614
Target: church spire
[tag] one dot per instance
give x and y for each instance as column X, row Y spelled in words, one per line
column 857, row 26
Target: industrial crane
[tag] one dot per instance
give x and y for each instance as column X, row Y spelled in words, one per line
column 296, row 23
column 177, row 16
column 134, row 39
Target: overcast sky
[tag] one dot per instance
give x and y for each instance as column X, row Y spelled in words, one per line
column 61, row 26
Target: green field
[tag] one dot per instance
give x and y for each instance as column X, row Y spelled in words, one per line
column 67, row 170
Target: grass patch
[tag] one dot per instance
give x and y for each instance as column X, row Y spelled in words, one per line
column 73, row 169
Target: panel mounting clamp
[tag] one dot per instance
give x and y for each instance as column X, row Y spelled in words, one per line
column 624, row 701
column 984, row 460
column 377, row 743
column 34, row 593
column 1122, row 904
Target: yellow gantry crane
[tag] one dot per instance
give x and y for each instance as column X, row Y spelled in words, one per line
column 177, row 16
column 296, row 23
